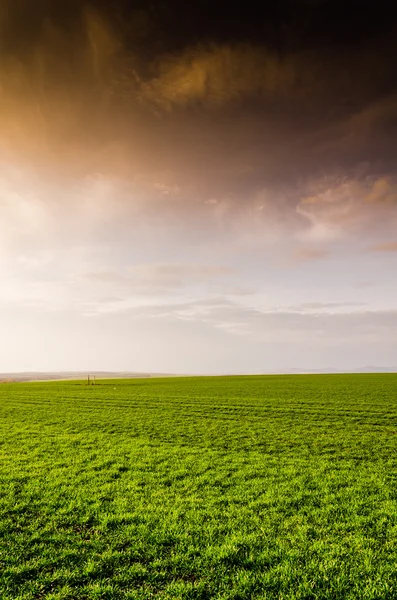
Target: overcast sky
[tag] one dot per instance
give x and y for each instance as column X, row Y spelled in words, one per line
column 195, row 188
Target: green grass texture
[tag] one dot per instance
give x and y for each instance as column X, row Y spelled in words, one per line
column 224, row 488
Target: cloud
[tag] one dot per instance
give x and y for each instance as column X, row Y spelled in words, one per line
column 161, row 277
column 58, row 280
column 340, row 206
column 375, row 119
column 214, row 75
column 326, row 306
column 281, row 326
column 228, row 160
column 364, row 284
column 385, row 247
column 217, row 75
column 234, row 120
column 303, row 254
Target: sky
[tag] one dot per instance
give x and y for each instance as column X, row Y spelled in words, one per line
column 198, row 187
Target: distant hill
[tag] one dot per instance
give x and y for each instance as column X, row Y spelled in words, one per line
column 68, row 375
column 82, row 375
column 356, row 370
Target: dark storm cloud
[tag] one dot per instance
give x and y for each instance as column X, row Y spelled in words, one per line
column 202, row 105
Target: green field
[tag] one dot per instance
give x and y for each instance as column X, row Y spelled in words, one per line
column 200, row 488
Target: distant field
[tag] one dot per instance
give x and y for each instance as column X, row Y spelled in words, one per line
column 274, row 487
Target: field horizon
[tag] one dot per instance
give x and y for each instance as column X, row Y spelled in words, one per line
column 31, row 376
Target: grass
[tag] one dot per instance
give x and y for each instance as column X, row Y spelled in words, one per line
column 278, row 487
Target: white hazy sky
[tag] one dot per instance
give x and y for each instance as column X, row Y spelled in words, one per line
column 101, row 281
column 172, row 214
